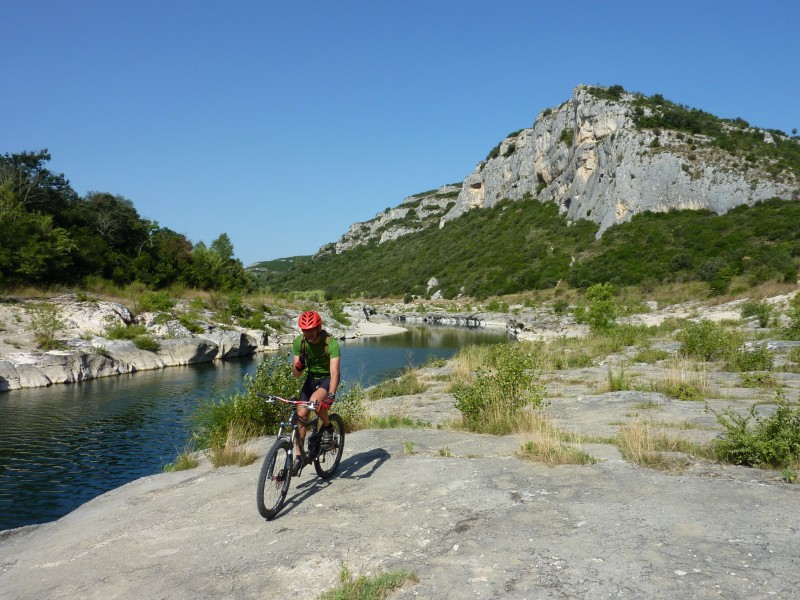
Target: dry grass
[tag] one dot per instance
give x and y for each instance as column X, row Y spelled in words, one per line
column 641, row 443
column 548, row 444
column 236, row 451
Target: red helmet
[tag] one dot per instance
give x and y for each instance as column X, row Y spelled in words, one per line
column 309, row 320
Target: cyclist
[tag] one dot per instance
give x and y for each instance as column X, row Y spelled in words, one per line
column 316, row 350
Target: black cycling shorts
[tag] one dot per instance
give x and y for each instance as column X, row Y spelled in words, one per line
column 312, row 384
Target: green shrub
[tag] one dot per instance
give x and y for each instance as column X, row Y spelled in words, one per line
column 214, row 417
column 46, row 324
column 256, row 320
column 337, row 312
column 350, row 406
column 759, row 380
column 772, row 441
column 708, row 341
column 793, row 330
column 125, row 332
column 757, row 359
column 190, row 321
column 490, row 404
column 146, row 342
column 602, row 307
column 156, row 302
column 651, row 356
column 762, row 310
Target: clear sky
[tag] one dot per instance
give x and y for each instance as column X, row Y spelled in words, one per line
column 281, row 124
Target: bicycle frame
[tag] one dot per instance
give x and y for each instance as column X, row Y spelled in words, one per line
column 293, row 424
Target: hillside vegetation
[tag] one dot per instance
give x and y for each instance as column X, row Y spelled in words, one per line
column 517, row 246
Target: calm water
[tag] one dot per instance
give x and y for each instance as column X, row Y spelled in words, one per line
column 66, row 444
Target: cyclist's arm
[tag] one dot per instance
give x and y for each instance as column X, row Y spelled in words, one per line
column 334, row 375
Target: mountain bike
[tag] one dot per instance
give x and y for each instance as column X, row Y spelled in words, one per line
column 276, row 472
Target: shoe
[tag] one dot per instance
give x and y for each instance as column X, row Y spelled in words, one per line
column 327, row 437
column 297, row 465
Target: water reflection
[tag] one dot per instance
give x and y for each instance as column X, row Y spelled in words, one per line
column 63, row 445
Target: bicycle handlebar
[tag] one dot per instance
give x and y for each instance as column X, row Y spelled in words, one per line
column 270, row 398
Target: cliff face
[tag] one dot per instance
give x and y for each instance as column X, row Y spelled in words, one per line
column 591, row 159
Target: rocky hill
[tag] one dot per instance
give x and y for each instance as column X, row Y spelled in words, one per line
column 605, row 155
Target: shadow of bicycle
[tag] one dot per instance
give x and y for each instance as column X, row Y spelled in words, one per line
column 358, row 466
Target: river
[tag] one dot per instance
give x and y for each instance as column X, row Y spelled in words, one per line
column 63, row 445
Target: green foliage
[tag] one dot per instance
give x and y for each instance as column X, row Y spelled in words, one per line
column 692, row 245
column 759, row 380
column 708, row 341
column 772, row 441
column 156, row 301
column 792, row 332
column 243, row 409
column 602, row 307
column 46, row 324
column 567, row 136
column 146, row 342
column 762, row 310
column 510, row 247
column 613, row 93
column 51, row 235
column 337, row 313
column 500, row 390
column 733, row 136
column 184, row 461
column 758, row 358
column 125, row 332
column 350, row 406
column 373, row 587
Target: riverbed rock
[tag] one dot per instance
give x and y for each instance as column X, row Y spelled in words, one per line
column 176, row 352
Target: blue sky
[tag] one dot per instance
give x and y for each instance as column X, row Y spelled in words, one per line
column 281, row 124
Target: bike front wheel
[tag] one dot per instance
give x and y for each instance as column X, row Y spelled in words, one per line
column 273, row 481
column 327, row 461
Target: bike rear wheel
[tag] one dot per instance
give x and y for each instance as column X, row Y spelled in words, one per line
column 327, row 461
column 274, row 478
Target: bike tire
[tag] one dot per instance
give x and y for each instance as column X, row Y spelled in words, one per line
column 274, row 478
column 328, row 461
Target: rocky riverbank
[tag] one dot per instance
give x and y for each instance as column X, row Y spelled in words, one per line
column 86, row 352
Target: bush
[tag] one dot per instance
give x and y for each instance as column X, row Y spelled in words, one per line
column 772, row 441
column 125, row 332
column 602, row 307
column 350, row 406
column 708, row 341
column 146, row 342
column 46, row 324
column 243, row 409
column 762, row 310
column 156, row 302
column 757, row 359
column 491, row 403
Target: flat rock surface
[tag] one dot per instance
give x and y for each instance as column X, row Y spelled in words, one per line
column 459, row 510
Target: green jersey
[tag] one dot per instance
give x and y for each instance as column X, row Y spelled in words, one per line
column 318, row 356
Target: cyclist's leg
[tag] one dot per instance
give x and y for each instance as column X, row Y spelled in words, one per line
column 317, row 397
column 309, row 387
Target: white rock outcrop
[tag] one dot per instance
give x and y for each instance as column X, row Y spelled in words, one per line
column 588, row 157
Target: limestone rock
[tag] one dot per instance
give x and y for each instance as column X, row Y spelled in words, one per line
column 589, row 158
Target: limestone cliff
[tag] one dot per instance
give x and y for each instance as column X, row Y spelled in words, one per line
column 596, row 157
